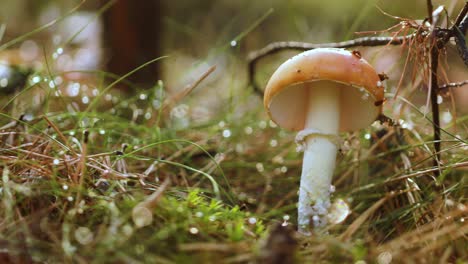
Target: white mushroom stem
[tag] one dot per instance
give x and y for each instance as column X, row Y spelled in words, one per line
column 323, row 113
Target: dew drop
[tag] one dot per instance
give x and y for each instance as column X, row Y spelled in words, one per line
column 51, row 84
column 226, row 133
column 277, row 159
column 141, row 216
column 58, row 80
column 3, row 82
column 193, row 230
column 83, row 235
column 65, row 187
column 439, row 99
column 199, row 214
column 71, row 133
column 35, row 79
column 56, row 162
column 248, row 130
column 85, row 99
column 59, row 51
column 143, row 96
column 233, row 43
column 284, row 169
column 273, row 142
column 259, row 167
column 252, row 220
column 70, row 198
column 221, row 124
column 272, row 124
column 262, row 124
column 73, row 89
column 447, row 117
column 239, row 148
column 212, row 218
column 367, row 136
column 156, row 104
column 286, row 217
column 384, row 258
column 102, row 131
column 339, row 210
column 108, row 97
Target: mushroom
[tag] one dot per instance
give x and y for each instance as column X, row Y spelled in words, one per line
column 320, row 93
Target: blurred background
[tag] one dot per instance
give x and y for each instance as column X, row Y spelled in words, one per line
column 118, row 36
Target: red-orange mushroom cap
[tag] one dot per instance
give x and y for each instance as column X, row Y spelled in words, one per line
column 361, row 96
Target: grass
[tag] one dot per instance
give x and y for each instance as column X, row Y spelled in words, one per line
column 137, row 178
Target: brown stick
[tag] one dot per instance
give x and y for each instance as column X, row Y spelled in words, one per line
column 435, row 106
column 276, row 47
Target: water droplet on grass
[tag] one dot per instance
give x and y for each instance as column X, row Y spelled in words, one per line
column 248, row 130
column 447, row 117
column 262, row 124
column 85, row 99
column 141, row 216
column 143, row 96
column 273, row 142
column 440, row 99
column 199, row 214
column 272, row 124
column 367, row 136
column 252, row 220
column 83, row 235
column 384, row 258
column 102, row 131
column 226, row 133
column 73, row 89
column 3, row 82
column 338, row 211
column 259, row 167
column 35, row 79
column 233, row 43
column 56, row 162
column 193, row 230
column 284, row 169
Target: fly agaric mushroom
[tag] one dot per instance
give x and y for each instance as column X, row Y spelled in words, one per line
column 320, row 93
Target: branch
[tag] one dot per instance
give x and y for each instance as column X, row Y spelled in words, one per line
column 445, row 87
column 276, row 47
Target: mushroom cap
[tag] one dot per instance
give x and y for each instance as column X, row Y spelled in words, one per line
column 287, row 92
